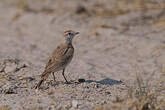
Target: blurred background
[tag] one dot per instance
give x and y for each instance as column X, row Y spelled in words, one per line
column 119, row 41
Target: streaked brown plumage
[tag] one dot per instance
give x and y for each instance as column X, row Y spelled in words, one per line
column 60, row 58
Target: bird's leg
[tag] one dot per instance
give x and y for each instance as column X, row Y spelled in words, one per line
column 39, row 84
column 64, row 75
column 54, row 76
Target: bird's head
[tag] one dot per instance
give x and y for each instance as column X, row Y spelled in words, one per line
column 69, row 35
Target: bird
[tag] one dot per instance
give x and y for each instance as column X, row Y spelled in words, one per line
column 60, row 58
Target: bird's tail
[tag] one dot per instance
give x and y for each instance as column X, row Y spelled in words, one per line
column 44, row 76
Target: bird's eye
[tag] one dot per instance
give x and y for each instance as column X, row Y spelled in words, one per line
column 69, row 33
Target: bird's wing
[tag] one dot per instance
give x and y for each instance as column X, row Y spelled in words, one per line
column 61, row 55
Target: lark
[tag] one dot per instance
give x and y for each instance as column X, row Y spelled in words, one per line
column 60, row 58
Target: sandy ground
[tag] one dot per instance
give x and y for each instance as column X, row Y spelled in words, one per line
column 108, row 53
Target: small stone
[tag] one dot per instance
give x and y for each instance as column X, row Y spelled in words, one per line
column 108, row 92
column 10, row 68
column 21, row 67
column 80, row 10
column 9, row 91
column 28, row 79
column 81, row 80
column 75, row 103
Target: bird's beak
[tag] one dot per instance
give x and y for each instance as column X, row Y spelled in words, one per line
column 77, row 33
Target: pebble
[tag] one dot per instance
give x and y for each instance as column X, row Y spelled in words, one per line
column 80, row 10
column 81, row 80
column 75, row 103
column 10, row 68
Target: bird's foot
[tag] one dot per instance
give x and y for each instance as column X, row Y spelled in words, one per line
column 68, row 82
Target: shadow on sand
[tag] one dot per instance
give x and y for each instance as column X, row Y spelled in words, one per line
column 106, row 81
